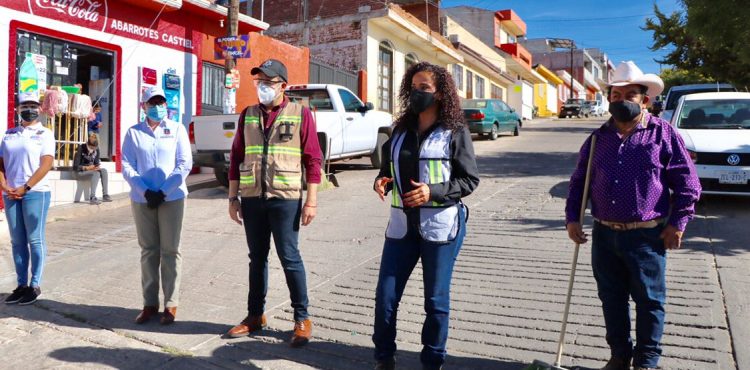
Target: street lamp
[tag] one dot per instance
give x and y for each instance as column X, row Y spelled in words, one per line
column 565, row 44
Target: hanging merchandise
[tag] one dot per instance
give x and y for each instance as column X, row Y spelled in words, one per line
column 81, row 106
column 51, row 103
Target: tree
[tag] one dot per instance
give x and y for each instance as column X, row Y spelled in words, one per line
column 708, row 38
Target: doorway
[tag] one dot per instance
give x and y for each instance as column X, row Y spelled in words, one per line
column 68, row 64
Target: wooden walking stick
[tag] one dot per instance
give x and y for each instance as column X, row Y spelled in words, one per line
column 584, row 200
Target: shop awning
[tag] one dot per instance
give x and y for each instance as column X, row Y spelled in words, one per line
column 168, row 5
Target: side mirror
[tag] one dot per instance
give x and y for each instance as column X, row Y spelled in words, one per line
column 365, row 107
column 512, row 110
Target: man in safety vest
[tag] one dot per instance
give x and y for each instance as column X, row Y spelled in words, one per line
column 274, row 140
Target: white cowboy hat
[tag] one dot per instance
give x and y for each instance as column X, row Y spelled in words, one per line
column 627, row 73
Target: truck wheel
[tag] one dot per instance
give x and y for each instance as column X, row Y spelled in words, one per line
column 376, row 158
column 493, row 132
column 222, row 176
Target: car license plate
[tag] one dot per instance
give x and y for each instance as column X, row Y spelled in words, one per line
column 226, row 157
column 735, row 177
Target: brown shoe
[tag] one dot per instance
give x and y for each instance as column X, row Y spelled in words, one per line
column 168, row 316
column 248, row 325
column 302, row 333
column 146, row 314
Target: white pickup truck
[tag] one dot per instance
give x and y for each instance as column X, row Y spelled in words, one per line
column 347, row 128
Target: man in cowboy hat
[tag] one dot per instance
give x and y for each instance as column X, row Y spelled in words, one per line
column 638, row 159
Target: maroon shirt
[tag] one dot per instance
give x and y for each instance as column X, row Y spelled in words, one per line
column 311, row 153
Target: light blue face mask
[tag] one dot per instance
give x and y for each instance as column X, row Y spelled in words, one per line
column 157, row 112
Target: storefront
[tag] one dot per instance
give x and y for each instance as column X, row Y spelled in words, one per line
column 112, row 49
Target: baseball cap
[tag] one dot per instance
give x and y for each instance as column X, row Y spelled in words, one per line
column 28, row 97
column 271, row 68
column 151, row 92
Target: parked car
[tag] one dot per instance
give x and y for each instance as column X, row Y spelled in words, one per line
column 490, row 117
column 575, row 108
column 675, row 92
column 716, row 131
column 347, row 128
column 597, row 108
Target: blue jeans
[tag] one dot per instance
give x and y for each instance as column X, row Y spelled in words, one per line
column 27, row 218
column 397, row 262
column 631, row 263
column 280, row 218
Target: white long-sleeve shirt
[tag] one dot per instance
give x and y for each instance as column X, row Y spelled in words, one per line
column 157, row 160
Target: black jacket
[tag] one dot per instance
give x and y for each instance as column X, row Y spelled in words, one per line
column 84, row 157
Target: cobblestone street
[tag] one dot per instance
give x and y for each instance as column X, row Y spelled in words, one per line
column 507, row 294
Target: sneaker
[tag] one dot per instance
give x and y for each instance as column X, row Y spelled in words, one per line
column 106, row 198
column 95, row 201
column 17, row 294
column 30, row 296
column 386, row 364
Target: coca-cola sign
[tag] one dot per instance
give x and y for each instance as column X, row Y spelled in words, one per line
column 89, row 13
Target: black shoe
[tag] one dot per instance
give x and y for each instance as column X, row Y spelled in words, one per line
column 106, row 198
column 17, row 294
column 94, row 201
column 387, row 364
column 30, row 296
column 617, row 363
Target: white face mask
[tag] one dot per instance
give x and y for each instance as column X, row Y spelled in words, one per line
column 266, row 94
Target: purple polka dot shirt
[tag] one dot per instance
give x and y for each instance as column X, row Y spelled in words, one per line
column 631, row 177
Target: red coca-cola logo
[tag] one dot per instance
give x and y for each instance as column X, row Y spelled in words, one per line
column 87, row 13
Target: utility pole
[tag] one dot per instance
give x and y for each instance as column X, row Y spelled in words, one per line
column 571, row 71
column 565, row 44
column 233, row 14
column 306, row 19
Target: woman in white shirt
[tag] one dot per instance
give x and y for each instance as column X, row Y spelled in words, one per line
column 26, row 155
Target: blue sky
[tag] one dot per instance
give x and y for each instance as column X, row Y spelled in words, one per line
column 613, row 26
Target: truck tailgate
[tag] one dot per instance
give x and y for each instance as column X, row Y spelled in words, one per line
column 214, row 133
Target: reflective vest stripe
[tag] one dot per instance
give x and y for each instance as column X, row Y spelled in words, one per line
column 252, row 119
column 247, row 180
column 295, row 119
column 287, row 180
column 273, row 149
column 395, row 197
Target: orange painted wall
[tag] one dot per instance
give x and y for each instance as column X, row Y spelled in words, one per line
column 297, row 61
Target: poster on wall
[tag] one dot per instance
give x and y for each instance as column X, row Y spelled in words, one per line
column 147, row 79
column 172, row 92
column 33, row 73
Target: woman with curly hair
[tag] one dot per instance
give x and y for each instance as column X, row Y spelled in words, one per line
column 428, row 167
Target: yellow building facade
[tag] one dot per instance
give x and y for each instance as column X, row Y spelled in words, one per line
column 546, row 94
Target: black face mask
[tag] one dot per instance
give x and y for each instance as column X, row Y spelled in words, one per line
column 420, row 100
column 624, row 111
column 30, row 115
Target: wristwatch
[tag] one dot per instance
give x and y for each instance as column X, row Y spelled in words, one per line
column 26, row 187
column 234, row 198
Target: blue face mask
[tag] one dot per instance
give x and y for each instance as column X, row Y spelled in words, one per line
column 157, row 112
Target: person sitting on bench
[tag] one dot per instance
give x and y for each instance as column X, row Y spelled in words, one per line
column 86, row 165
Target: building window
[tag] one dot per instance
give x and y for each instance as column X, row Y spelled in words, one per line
column 458, row 76
column 495, row 92
column 410, row 60
column 469, row 85
column 480, row 88
column 212, row 96
column 511, row 39
column 385, row 77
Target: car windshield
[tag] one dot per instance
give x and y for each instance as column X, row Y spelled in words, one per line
column 574, row 101
column 475, row 103
column 674, row 96
column 715, row 114
column 316, row 99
